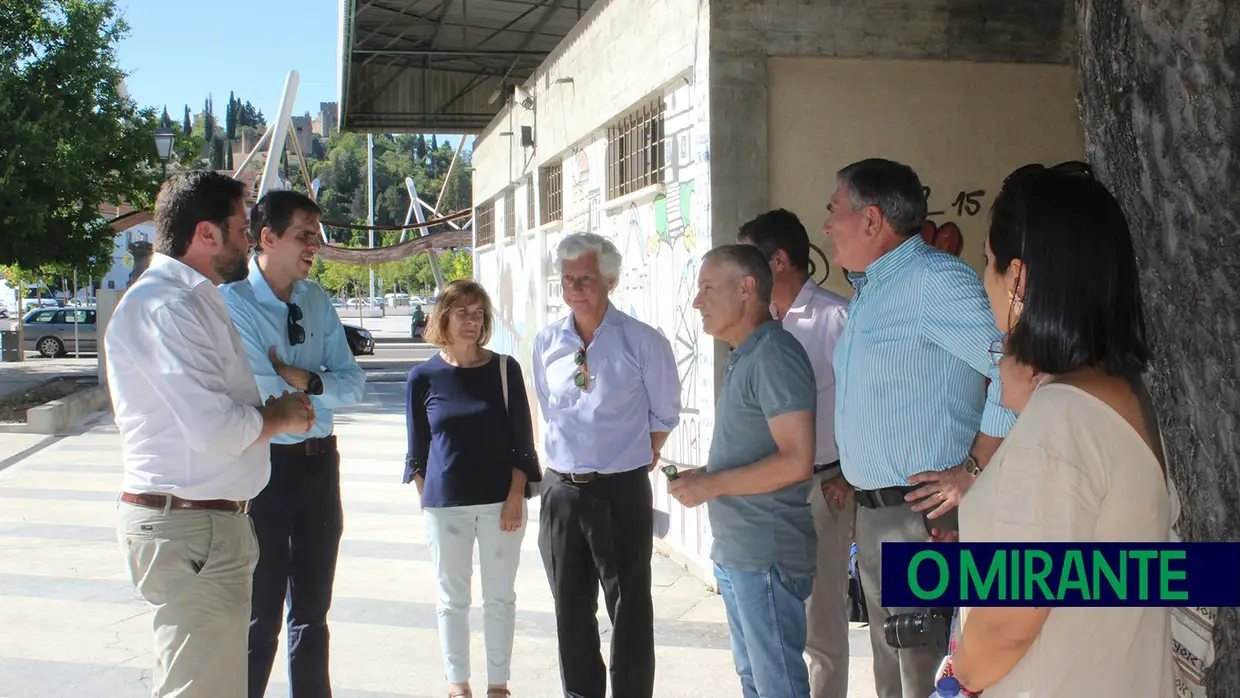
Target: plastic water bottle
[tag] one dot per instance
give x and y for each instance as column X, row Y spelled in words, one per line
column 947, row 687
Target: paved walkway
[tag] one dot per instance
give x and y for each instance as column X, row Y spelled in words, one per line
column 72, row 626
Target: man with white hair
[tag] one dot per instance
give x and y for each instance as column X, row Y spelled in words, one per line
column 609, row 394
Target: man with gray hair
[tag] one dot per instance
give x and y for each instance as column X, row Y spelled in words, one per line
column 757, row 478
column 913, row 420
column 609, row 396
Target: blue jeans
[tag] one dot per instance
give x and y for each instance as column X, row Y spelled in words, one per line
column 766, row 620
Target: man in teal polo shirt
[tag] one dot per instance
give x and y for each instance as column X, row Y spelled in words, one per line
column 758, row 475
column 294, row 341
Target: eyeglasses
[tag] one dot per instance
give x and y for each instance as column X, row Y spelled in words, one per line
column 997, row 352
column 581, row 379
column 296, row 333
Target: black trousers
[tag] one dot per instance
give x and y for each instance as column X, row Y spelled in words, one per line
column 592, row 533
column 298, row 520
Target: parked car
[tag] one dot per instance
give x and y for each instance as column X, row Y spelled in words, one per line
column 360, row 340
column 50, row 331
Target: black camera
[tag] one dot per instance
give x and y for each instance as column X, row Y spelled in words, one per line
column 908, row 630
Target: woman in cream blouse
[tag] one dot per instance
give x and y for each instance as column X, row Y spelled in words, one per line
column 1079, row 463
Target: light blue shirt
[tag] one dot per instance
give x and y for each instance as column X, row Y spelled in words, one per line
column 262, row 321
column 911, row 368
column 633, row 390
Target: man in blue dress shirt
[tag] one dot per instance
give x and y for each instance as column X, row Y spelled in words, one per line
column 914, row 420
column 294, row 341
column 609, row 394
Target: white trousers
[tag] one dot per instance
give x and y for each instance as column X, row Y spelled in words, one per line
column 451, row 532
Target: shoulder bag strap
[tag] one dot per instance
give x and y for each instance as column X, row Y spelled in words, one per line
column 503, row 378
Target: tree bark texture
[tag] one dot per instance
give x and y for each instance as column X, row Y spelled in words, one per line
column 1160, row 99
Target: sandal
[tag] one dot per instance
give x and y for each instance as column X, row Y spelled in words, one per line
column 502, row 692
column 462, row 694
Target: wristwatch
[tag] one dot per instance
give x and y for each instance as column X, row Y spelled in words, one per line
column 970, row 465
column 315, row 385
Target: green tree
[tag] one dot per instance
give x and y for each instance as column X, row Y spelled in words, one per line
column 249, row 116
column 340, row 278
column 217, row 153
column 457, row 264
column 208, row 120
column 187, row 126
column 69, row 142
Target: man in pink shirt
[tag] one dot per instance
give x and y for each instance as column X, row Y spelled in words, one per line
column 815, row 316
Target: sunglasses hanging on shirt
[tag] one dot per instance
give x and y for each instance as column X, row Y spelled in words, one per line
column 581, row 379
column 296, row 333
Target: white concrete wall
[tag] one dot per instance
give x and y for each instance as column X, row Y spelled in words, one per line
column 621, row 55
column 963, row 126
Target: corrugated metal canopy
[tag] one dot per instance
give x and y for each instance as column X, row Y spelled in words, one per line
column 442, row 65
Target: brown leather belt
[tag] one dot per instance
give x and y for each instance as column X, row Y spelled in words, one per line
column 160, row 501
column 309, row 447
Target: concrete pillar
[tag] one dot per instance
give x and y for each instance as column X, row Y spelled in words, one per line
column 738, row 142
column 105, row 304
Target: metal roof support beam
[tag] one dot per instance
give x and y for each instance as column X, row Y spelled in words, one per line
column 507, row 26
column 519, row 53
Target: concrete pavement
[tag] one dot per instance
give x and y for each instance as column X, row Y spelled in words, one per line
column 72, row 625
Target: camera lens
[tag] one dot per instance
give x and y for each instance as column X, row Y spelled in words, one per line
column 908, row 630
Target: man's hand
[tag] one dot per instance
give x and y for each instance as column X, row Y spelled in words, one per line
column 940, row 535
column 692, row 487
column 835, row 490
column 292, row 412
column 942, row 489
column 296, row 377
column 419, row 482
column 654, row 463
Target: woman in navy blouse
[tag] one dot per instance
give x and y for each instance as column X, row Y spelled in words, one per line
column 471, row 456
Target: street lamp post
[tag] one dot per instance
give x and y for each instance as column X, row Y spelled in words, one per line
column 165, row 138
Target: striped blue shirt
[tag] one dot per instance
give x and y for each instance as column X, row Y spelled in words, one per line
column 911, row 368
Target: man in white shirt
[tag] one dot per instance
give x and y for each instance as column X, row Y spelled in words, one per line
column 194, row 434
column 815, row 316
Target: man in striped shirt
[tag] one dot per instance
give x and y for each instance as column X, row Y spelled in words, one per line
column 914, row 420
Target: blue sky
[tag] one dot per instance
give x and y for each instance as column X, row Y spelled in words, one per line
column 178, row 52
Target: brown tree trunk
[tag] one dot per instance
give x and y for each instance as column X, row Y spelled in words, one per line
column 1160, row 91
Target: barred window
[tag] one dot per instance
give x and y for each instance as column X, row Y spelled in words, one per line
column 510, row 213
column 635, row 157
column 484, row 223
column 551, row 189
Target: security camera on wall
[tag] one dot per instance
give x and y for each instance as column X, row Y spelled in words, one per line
column 523, row 97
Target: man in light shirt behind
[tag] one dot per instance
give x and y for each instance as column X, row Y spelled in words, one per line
column 194, row 434
column 815, row 316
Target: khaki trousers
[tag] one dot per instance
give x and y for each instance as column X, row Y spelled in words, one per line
column 826, row 611
column 905, row 673
column 195, row 568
